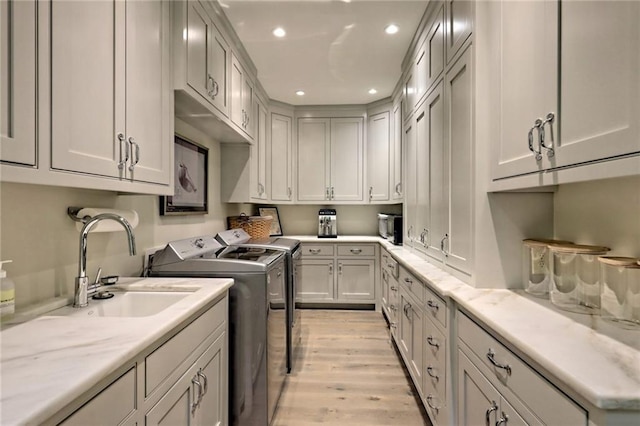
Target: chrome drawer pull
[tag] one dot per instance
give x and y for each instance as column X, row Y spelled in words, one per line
column 408, row 281
column 196, row 401
column 491, row 409
column 503, row 419
column 430, row 373
column 356, row 251
column 394, row 288
column 491, row 357
column 429, row 402
column 432, row 342
column 205, row 381
column 433, row 305
column 314, row 251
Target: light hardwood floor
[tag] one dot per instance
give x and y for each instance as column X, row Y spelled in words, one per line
column 348, row 373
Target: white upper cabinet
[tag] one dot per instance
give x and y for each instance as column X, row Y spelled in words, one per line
column 396, row 152
column 379, row 156
column 569, row 87
column 207, row 56
column 241, row 97
column 259, row 149
column 435, row 208
column 528, row 88
column 330, row 159
column 281, row 158
column 18, row 50
column 111, row 97
column 459, row 25
column 435, row 48
column 409, row 150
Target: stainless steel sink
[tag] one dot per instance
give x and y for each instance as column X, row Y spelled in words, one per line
column 125, row 304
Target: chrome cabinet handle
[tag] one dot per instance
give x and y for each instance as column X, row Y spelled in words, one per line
column 394, row 288
column 196, row 401
column 122, row 162
column 133, row 164
column 431, row 374
column 407, row 308
column 340, row 268
column 289, row 192
column 409, row 281
column 549, row 119
column 491, row 357
column 398, row 188
column 331, row 269
column 314, row 251
column 442, row 241
column 503, row 419
column 216, row 89
column 537, row 152
column 393, row 308
column 393, row 325
column 370, row 193
column 409, row 232
column 205, row 381
column 490, row 410
column 327, row 194
column 432, row 342
column 356, row 251
column 260, row 189
column 210, row 85
column 433, row 305
column 332, row 194
column 430, row 403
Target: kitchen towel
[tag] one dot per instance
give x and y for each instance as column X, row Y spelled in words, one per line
column 107, row 225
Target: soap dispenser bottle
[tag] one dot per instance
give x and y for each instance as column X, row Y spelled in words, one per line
column 7, row 294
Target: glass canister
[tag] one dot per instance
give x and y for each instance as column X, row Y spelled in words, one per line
column 535, row 265
column 575, row 277
column 620, row 286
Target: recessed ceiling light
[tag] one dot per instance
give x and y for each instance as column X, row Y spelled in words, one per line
column 300, row 92
column 391, row 29
column 372, row 91
column 279, row 32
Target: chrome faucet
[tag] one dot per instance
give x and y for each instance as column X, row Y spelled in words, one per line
column 81, row 296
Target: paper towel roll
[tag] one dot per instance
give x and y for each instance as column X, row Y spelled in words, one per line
column 107, row 225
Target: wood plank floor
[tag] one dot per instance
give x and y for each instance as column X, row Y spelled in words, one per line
column 348, row 373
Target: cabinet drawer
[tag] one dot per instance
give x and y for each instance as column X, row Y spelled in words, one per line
column 356, row 250
column 551, row 405
column 435, row 307
column 109, row 407
column 411, row 283
column 161, row 363
column 317, row 250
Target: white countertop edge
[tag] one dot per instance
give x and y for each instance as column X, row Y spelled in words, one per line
column 57, row 349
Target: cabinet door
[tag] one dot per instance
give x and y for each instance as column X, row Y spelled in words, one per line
column 281, row 162
column 423, row 165
column 396, row 150
column 175, row 407
column 356, row 279
column 435, row 49
column 213, row 410
column 408, row 94
column 18, row 82
column 258, row 172
column 149, row 94
column 378, row 155
column 198, row 40
column 436, row 208
column 347, row 145
column 88, row 86
column 527, row 83
column 599, row 81
column 218, row 70
column 384, row 298
column 248, row 106
column 458, row 241
column 416, row 346
column 478, row 400
column 237, row 106
column 405, row 331
column 313, row 159
column 459, row 25
column 410, row 194
column 420, row 66
column 316, row 280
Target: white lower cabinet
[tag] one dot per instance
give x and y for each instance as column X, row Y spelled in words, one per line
column 496, row 386
column 410, row 336
column 337, row 273
column 182, row 380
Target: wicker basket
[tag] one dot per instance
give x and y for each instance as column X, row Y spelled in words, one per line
column 258, row 227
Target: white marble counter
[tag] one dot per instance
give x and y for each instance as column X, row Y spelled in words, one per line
column 338, row 239
column 593, row 358
column 48, row 362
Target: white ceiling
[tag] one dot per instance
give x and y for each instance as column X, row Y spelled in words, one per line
column 334, row 50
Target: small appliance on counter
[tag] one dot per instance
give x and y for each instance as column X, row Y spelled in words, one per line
column 390, row 227
column 327, row 223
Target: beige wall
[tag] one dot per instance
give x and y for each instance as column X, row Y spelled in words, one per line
column 605, row 212
column 42, row 241
column 352, row 220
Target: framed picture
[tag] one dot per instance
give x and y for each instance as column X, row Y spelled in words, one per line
column 276, row 228
column 191, row 171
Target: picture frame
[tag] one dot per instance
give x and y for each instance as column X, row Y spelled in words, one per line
column 276, row 227
column 191, row 170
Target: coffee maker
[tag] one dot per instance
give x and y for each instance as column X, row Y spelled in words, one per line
column 327, row 223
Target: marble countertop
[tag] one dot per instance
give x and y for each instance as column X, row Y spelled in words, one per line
column 338, row 239
column 595, row 359
column 48, row 362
